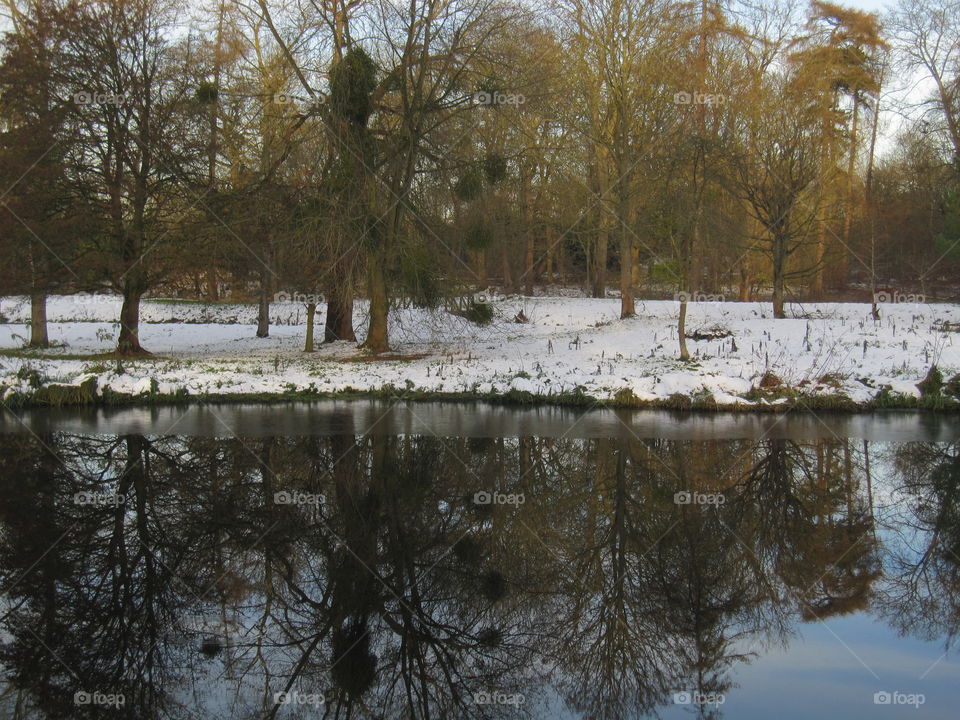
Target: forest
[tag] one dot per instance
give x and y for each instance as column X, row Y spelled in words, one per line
column 429, row 154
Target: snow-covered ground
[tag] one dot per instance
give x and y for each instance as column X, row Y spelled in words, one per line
column 568, row 344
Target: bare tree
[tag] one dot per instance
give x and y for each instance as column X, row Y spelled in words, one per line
column 775, row 169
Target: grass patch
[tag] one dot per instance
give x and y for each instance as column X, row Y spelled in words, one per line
column 40, row 354
column 66, row 395
column 398, row 357
column 184, row 301
column 887, row 398
column 55, row 395
column 625, row 398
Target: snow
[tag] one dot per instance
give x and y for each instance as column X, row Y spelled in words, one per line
column 568, row 343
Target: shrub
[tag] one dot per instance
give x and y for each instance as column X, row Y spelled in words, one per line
column 477, row 313
column 953, row 386
column 932, row 384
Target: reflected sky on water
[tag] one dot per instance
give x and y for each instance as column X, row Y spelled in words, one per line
column 409, row 572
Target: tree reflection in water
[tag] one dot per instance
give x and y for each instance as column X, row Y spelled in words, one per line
column 361, row 575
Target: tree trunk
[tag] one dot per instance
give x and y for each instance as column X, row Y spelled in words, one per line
column 38, row 321
column 820, row 248
column 481, row 262
column 263, row 310
column 377, row 338
column 338, row 324
column 562, row 275
column 527, row 201
column 548, row 271
column 588, row 264
column 625, row 216
column 627, row 307
column 697, row 265
column 848, row 215
column 868, row 189
column 744, row 282
column 816, row 286
column 528, row 269
column 129, row 340
column 311, row 313
column 778, row 312
column 598, row 280
column 508, row 286
column 868, row 201
column 778, row 268
column 682, row 330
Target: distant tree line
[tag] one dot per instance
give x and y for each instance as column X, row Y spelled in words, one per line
column 343, row 149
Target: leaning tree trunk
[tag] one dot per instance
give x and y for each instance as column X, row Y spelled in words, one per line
column 129, row 340
column 38, row 321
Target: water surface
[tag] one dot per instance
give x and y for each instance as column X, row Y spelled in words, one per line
column 412, row 561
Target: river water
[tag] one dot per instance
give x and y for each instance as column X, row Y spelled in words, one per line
column 388, row 560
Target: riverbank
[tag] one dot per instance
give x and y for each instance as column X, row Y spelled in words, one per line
column 569, row 351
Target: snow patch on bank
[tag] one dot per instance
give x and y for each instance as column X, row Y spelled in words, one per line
column 569, row 345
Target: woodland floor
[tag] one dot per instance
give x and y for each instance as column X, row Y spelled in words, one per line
column 571, row 349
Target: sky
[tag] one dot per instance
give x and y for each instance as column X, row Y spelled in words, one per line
column 870, row 5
